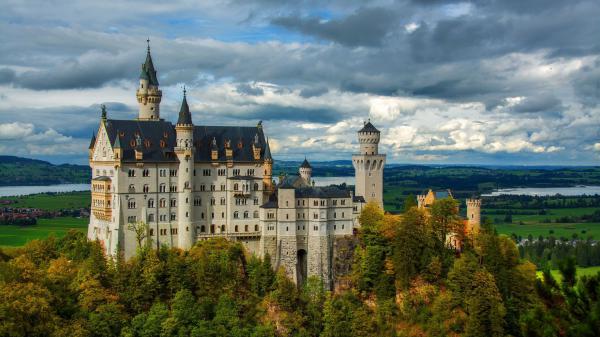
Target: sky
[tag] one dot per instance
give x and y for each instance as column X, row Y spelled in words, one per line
column 447, row 82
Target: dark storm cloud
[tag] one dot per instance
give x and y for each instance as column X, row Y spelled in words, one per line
column 365, row 27
column 6, row 75
column 313, row 92
column 539, row 104
column 587, row 84
column 251, row 90
column 287, row 113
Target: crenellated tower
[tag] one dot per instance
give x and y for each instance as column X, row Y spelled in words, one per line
column 368, row 165
column 148, row 93
column 473, row 215
column 184, row 149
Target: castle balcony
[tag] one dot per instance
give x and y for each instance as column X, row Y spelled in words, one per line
column 205, row 236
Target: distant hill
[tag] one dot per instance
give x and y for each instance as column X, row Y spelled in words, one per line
column 16, row 171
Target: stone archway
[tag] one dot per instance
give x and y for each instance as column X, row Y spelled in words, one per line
column 302, row 267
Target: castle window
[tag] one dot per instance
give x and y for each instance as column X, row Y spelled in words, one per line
column 212, row 229
column 334, row 227
column 222, row 187
column 197, row 201
column 222, row 215
column 212, row 201
column 222, row 228
column 250, row 172
column 236, row 228
column 202, row 229
column 256, row 186
column 222, row 201
column 162, row 203
column 131, row 173
column 173, row 188
column 173, row 202
column 173, row 173
column 245, row 228
column 131, row 219
column 173, row 216
column 255, row 215
column 343, row 202
column 146, row 188
column 150, row 203
column 145, row 173
column 163, row 217
column 303, row 202
column 270, row 215
column 151, row 231
column 162, row 173
column 202, row 188
column 342, row 226
column 342, row 215
column 236, row 186
column 334, row 215
column 256, row 228
column 287, row 216
column 212, row 215
column 246, row 215
column 131, row 203
column 236, row 215
column 334, row 202
column 212, row 188
column 202, row 215
column 221, row 172
column 187, row 215
column 316, row 203
column 131, row 188
column 206, row 172
column 150, row 217
column 236, row 172
column 315, row 216
column 298, row 202
column 316, row 228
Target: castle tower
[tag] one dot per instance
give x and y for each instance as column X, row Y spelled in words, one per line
column 268, row 174
column 148, row 93
column 184, row 150
column 368, row 165
column 473, row 215
column 305, row 171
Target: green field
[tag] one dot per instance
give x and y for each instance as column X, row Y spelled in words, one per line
column 52, row 202
column 13, row 236
column 589, row 271
column 524, row 225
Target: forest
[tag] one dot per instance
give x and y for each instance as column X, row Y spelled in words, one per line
column 404, row 281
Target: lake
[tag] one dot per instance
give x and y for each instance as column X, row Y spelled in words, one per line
column 326, row 181
column 6, row 191
column 544, row 191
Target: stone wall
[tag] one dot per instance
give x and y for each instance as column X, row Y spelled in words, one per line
column 342, row 256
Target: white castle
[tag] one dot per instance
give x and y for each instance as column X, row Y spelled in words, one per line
column 192, row 182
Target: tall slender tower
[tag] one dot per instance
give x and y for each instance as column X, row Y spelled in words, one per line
column 368, row 165
column 473, row 215
column 148, row 93
column 184, row 150
column 305, row 171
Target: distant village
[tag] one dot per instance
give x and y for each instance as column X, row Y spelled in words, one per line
column 12, row 214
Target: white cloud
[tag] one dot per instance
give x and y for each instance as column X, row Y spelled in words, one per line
column 10, row 131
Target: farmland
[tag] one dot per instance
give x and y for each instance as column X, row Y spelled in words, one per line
column 11, row 236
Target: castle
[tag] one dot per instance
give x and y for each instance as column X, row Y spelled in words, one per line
column 190, row 182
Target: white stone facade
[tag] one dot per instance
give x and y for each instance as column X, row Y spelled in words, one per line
column 190, row 183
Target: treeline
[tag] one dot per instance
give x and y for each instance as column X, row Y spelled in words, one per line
column 16, row 171
column 404, row 281
column 517, row 202
column 550, row 252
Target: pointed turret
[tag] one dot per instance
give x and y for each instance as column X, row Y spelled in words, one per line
column 118, row 151
column 93, row 141
column 268, row 151
column 305, row 171
column 117, row 143
column 305, row 164
column 185, row 117
column 148, row 93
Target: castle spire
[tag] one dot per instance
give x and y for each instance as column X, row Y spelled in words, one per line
column 93, row 141
column 268, row 151
column 185, row 117
column 148, row 71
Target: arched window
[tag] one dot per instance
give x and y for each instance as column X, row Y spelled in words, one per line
column 150, row 203
column 146, row 188
column 131, row 203
column 162, row 203
column 202, row 228
column 131, row 188
column 222, row 228
column 256, row 186
column 246, row 215
column 256, row 228
column 245, row 228
column 236, row 228
column 235, row 186
column 236, row 215
column 163, row 188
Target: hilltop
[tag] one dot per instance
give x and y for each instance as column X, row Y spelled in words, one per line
column 16, row 171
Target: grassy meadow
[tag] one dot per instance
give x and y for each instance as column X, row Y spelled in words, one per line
column 14, row 236
column 52, row 202
column 588, row 271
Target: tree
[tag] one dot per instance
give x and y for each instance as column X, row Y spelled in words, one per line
column 485, row 308
column 409, row 202
column 141, row 231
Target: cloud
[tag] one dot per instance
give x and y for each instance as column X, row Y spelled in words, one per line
column 11, row 131
column 365, row 27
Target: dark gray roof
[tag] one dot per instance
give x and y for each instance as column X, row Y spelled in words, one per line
column 102, row 178
column 92, row 142
column 185, row 117
column 270, row 204
column 148, row 71
column 305, row 164
column 292, row 181
column 267, row 150
column 158, row 140
column 358, row 199
column 442, row 194
column 368, row 128
column 244, row 178
column 321, row 192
